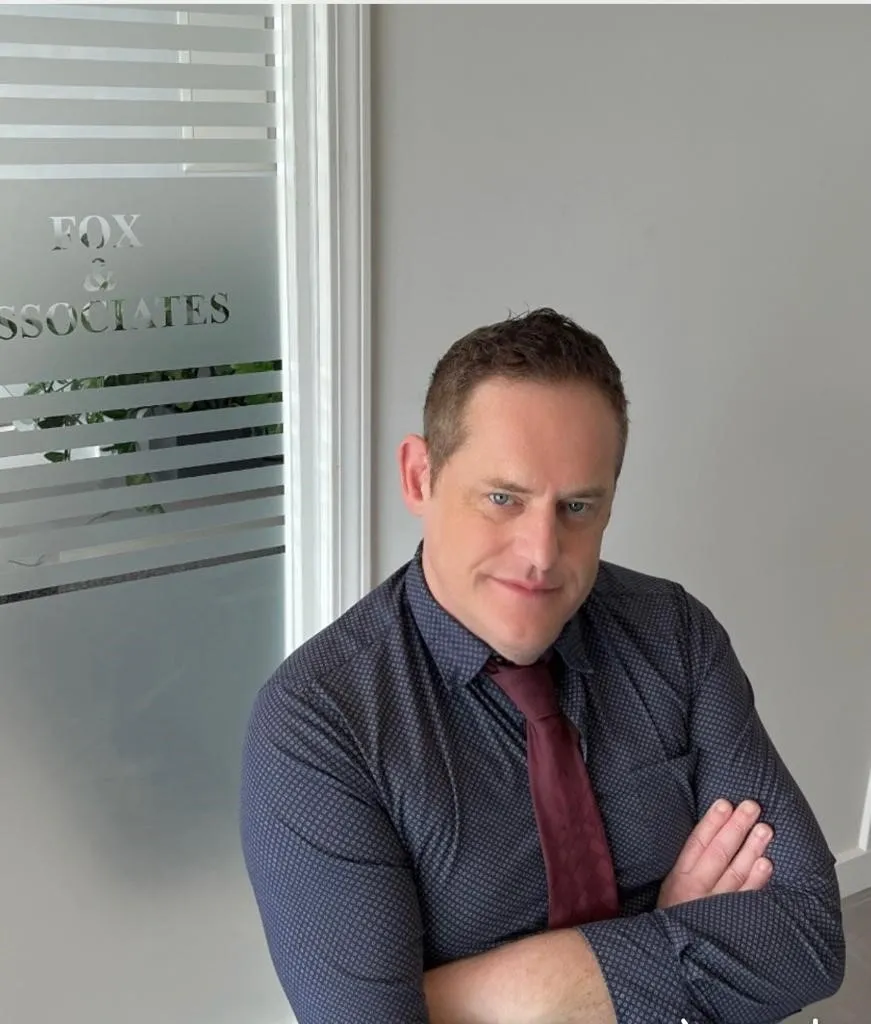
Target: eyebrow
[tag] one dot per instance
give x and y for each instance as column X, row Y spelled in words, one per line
column 583, row 492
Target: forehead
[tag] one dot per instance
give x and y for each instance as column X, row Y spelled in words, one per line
column 538, row 405
column 559, row 427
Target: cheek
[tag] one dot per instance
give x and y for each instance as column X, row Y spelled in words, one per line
column 583, row 550
column 463, row 534
column 481, row 543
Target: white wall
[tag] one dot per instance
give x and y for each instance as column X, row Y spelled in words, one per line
column 692, row 184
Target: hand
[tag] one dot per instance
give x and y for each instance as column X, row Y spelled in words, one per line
column 720, row 856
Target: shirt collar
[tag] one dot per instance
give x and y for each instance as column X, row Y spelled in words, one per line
column 459, row 654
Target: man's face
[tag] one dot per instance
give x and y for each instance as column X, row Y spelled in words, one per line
column 513, row 527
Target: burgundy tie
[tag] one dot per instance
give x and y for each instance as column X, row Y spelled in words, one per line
column 581, row 883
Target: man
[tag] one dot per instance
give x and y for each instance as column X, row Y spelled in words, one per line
column 408, row 859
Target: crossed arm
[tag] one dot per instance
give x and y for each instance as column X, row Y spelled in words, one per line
column 735, row 936
column 554, row 978
column 726, row 944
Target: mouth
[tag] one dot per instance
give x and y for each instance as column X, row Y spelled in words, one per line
column 526, row 589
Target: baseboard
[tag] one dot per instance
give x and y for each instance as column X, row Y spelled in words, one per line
column 854, row 866
column 854, row 871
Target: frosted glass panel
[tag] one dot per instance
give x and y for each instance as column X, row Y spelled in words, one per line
column 141, row 506
column 189, row 90
column 121, row 713
column 143, row 319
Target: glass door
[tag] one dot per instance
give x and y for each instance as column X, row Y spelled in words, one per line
column 142, row 503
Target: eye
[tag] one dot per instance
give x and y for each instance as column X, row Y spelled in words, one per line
column 577, row 508
column 500, row 499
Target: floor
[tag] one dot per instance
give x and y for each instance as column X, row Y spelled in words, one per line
column 852, row 1003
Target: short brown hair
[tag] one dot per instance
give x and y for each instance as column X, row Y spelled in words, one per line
column 542, row 346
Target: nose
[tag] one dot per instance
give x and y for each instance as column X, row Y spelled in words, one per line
column 537, row 539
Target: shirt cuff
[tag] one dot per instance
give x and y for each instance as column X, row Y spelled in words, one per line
column 642, row 973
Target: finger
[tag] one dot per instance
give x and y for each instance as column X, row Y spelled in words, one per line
column 725, row 845
column 743, row 863
column 703, row 835
column 760, row 876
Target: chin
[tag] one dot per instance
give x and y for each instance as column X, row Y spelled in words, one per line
column 527, row 640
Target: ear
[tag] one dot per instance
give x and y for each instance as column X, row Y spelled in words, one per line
column 413, row 458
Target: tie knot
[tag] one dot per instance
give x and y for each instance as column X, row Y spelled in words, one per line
column 530, row 687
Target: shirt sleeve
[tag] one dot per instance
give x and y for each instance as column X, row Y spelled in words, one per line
column 735, row 958
column 332, row 882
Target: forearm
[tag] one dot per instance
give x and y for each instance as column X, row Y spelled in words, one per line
column 758, row 957
column 556, row 978
column 551, row 978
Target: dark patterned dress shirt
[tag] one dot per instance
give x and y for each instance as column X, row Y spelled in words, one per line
column 388, row 828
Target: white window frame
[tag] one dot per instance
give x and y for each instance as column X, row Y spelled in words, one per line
column 325, row 234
